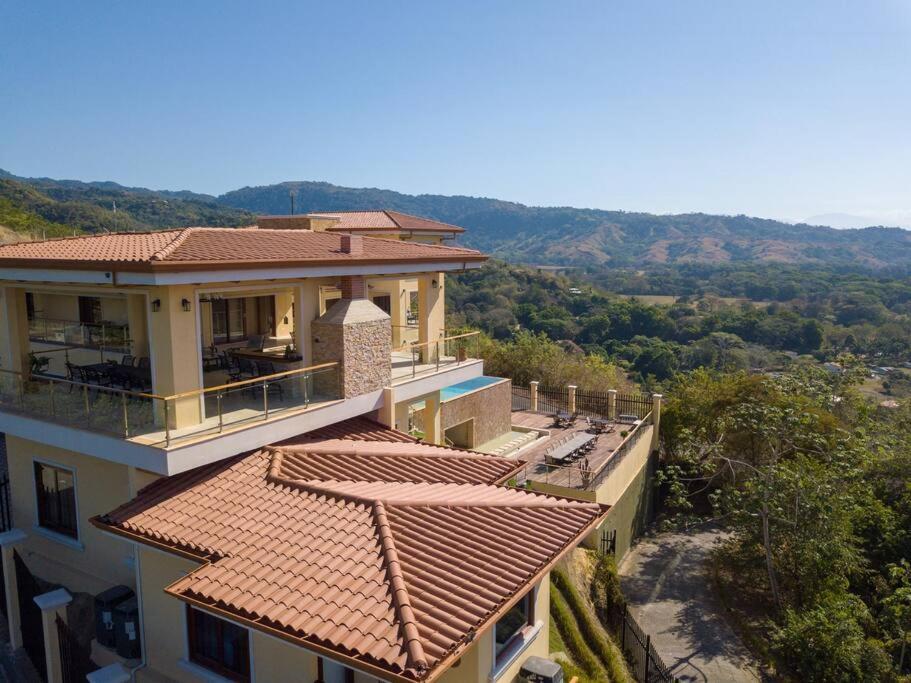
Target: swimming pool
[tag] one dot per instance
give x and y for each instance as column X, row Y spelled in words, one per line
column 468, row 385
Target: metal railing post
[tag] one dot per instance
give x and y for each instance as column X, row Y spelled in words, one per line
column 413, row 369
column 218, row 398
column 126, row 416
column 648, row 647
column 438, row 353
column 265, row 399
column 167, row 424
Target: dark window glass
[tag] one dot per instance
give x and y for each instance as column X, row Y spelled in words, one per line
column 89, row 310
column 55, row 491
column 383, row 302
column 511, row 623
column 218, row 645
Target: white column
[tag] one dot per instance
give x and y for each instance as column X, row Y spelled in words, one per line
column 306, row 310
column 430, row 314
column 656, row 419
column 611, row 404
column 533, row 393
column 572, row 397
column 387, row 412
column 14, row 344
column 433, row 432
column 52, row 605
column 8, row 542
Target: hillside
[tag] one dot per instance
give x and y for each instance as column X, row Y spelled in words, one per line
column 568, row 236
column 511, row 231
column 46, row 206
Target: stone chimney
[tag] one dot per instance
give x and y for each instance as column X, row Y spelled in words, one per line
column 353, row 287
column 352, row 244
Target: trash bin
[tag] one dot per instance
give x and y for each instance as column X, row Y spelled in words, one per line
column 540, row 670
column 126, row 626
column 104, row 613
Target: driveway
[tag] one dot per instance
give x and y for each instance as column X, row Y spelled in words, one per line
column 667, row 582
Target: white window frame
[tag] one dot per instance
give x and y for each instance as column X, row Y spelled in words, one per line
column 522, row 640
column 74, row 543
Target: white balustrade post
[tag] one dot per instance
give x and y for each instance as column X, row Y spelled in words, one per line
column 656, row 419
column 533, row 392
column 571, row 408
column 8, row 542
column 611, row 404
column 52, row 605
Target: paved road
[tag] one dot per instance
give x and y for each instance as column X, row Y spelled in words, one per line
column 666, row 580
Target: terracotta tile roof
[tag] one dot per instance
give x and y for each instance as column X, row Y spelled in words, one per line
column 391, row 553
column 207, row 248
column 384, row 220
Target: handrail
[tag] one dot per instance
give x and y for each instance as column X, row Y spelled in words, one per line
column 64, row 380
column 415, row 345
column 252, row 380
column 44, row 352
column 171, row 397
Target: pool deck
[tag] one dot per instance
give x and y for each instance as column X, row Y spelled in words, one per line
column 569, row 477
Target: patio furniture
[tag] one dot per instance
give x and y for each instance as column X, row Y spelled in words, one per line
column 628, row 419
column 210, row 360
column 128, row 360
column 566, row 450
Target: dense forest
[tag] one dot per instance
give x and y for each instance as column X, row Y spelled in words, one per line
column 865, row 316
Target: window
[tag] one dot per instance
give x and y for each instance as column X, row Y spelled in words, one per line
column 384, row 303
column 218, row 645
column 513, row 623
column 229, row 320
column 55, row 492
column 90, row 310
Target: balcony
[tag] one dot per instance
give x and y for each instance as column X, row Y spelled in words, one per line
column 419, row 359
column 164, row 421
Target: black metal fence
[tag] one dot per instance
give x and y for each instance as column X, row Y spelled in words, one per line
column 553, row 400
column 639, row 405
column 521, row 398
column 75, row 660
column 30, row 616
column 6, row 517
column 607, row 405
column 647, row 666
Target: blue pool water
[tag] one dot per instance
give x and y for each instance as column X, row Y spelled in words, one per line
column 468, row 385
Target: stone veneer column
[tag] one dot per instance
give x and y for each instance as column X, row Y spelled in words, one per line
column 357, row 334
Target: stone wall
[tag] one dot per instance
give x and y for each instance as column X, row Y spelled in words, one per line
column 490, row 407
column 358, row 334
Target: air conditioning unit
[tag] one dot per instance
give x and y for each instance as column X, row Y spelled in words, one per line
column 540, row 670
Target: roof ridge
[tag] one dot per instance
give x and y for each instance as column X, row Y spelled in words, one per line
column 390, row 217
column 171, row 246
column 356, row 449
column 400, row 598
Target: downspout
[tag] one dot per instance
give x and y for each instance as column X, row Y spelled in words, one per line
column 142, row 624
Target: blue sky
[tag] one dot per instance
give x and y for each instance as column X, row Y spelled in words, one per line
column 780, row 109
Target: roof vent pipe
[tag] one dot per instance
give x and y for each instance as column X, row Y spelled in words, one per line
column 352, row 244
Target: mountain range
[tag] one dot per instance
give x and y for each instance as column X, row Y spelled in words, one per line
column 508, row 230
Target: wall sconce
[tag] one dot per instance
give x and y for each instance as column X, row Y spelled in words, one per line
column 156, row 305
column 434, row 284
column 185, row 304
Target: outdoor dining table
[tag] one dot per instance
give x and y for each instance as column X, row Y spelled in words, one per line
column 567, row 449
column 600, row 424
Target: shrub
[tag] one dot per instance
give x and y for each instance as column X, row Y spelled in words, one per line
column 826, row 643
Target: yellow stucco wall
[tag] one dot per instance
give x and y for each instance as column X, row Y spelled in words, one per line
column 101, row 486
column 274, row 659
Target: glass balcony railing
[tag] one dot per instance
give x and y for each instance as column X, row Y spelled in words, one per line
column 162, row 420
column 412, row 360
